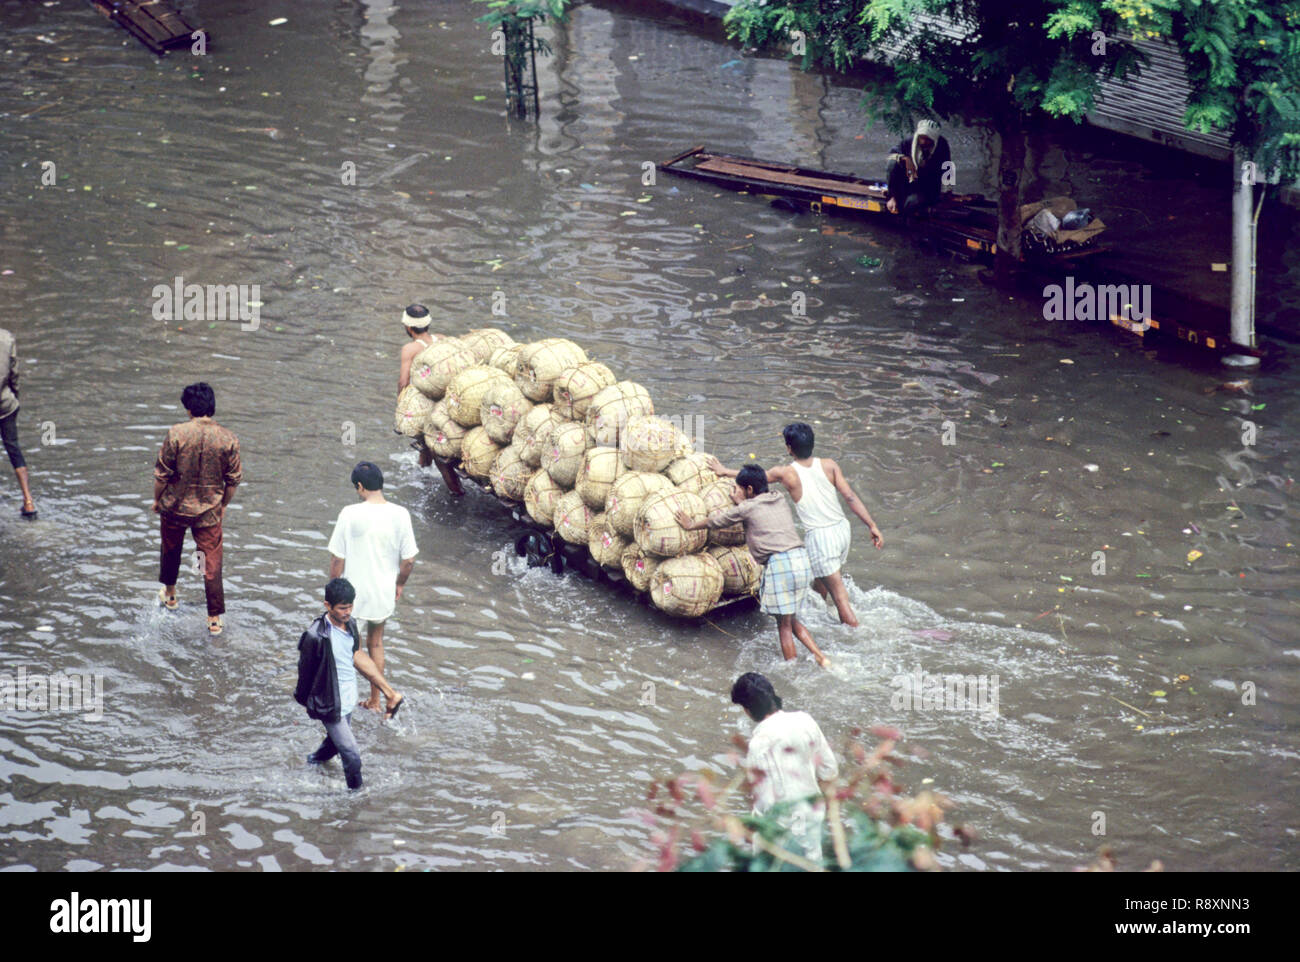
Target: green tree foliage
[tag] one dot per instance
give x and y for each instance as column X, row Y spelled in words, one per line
column 871, row 825
column 516, row 19
column 1243, row 65
column 1013, row 64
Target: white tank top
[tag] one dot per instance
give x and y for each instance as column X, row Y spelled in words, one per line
column 819, row 505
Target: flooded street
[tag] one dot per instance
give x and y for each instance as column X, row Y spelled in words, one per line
column 1003, row 457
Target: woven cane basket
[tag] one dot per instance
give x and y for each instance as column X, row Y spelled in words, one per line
column 502, row 406
column 413, row 412
column 435, row 366
column 656, row 529
column 627, row 493
column 638, row 567
column 466, row 390
column 578, row 385
column 687, row 586
column 611, row 409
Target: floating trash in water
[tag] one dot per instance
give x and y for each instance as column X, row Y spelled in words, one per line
column 938, row 634
column 866, row 261
column 279, row 20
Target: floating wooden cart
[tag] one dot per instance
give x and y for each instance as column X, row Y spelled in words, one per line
column 546, row 548
column 155, row 23
column 960, row 223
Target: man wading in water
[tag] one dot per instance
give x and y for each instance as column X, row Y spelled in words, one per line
column 416, row 321
column 813, row 483
column 788, row 756
column 9, row 418
column 373, row 542
column 329, row 658
column 196, row 475
column 777, row 547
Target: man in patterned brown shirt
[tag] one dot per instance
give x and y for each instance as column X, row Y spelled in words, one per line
column 195, row 477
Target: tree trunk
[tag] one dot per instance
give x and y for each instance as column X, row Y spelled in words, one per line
column 1012, row 144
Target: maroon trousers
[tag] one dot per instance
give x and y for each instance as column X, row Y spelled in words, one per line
column 208, row 541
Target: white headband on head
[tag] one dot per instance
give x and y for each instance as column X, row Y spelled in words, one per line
column 409, row 320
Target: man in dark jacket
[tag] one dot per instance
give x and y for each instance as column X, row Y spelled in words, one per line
column 916, row 169
column 329, row 658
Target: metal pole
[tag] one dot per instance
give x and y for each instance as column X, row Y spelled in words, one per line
column 1243, row 273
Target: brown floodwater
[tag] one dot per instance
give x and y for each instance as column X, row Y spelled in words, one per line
column 1161, row 692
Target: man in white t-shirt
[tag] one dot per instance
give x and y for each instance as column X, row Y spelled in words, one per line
column 788, row 757
column 373, row 542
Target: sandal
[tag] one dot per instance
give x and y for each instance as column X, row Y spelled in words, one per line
column 214, row 625
column 169, row 603
column 29, row 513
column 391, row 713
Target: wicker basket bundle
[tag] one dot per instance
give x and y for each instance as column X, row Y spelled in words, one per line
column 413, row 412
column 611, row 409
column 562, row 456
column 656, row 529
column 604, row 544
column 740, row 572
column 691, row 473
column 541, row 364
column 540, row 496
column 442, row 434
column 650, row 443
column 502, row 406
column 466, row 390
column 509, row 474
column 435, row 366
column 578, row 385
column 687, row 586
column 626, row 494
column 529, row 433
column 478, row 453
column 506, row 359
column 601, row 467
column 638, row 567
column 484, row 341
column 572, row 518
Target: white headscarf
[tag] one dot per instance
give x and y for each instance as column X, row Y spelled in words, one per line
column 924, row 128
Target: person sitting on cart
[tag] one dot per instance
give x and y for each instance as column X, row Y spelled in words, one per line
column 916, row 168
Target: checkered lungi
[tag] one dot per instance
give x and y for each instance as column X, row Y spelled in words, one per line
column 786, row 576
column 828, row 548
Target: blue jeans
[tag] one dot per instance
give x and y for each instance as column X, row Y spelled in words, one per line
column 340, row 741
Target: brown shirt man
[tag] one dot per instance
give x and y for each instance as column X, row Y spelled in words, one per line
column 769, row 525
column 197, row 463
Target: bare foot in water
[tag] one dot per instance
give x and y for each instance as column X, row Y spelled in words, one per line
column 823, row 662
column 372, row 704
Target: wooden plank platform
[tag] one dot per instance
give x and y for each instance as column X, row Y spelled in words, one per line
column 155, row 23
column 964, row 224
